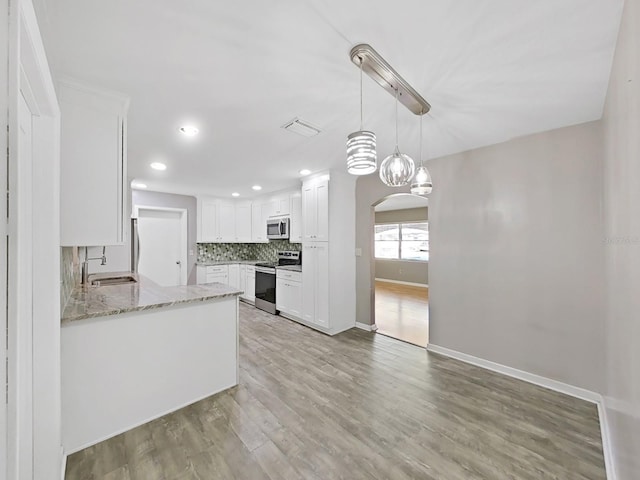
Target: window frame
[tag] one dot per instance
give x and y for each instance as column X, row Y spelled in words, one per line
column 399, row 259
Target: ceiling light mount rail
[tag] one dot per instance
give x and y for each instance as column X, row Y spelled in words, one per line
column 384, row 75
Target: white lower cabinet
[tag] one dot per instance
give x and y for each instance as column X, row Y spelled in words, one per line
column 243, row 280
column 315, row 283
column 234, row 276
column 289, row 293
column 240, row 276
column 250, row 288
column 212, row 274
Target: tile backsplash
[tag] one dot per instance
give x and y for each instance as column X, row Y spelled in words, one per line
column 69, row 274
column 208, row 252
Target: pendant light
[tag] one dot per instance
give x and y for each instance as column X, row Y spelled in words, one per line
column 361, row 147
column 398, row 168
column 422, row 181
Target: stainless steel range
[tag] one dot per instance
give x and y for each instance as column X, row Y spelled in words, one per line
column 266, row 279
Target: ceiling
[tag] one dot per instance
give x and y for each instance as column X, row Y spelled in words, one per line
column 401, row 201
column 492, row 70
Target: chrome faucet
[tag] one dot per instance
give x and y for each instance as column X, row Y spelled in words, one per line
column 85, row 264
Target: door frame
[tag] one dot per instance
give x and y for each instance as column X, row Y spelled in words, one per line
column 31, row 234
column 372, row 264
column 184, row 232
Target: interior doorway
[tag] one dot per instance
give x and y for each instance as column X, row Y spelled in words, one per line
column 401, row 265
column 162, row 244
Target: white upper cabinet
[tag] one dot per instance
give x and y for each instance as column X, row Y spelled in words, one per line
column 243, row 223
column 226, row 222
column 281, row 206
column 93, row 166
column 207, row 220
column 258, row 224
column 315, row 210
column 229, row 221
column 223, row 222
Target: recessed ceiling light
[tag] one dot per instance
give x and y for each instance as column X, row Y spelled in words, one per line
column 257, row 187
column 138, row 185
column 304, row 171
column 235, row 194
column 158, row 166
column 189, row 130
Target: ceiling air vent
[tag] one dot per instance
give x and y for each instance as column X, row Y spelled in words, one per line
column 301, row 127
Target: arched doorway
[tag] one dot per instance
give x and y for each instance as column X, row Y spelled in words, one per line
column 400, row 264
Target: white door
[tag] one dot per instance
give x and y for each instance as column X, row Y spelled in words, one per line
column 162, row 248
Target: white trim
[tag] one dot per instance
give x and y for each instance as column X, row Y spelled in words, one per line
column 63, row 463
column 607, row 444
column 571, row 390
column 413, row 284
column 368, row 328
column 184, row 236
column 539, row 380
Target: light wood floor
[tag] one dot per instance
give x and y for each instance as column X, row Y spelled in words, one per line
column 355, row 406
column 402, row 312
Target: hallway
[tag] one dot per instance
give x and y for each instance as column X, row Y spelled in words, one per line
column 402, row 312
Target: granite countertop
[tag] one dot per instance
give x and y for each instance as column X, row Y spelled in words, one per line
column 89, row 302
column 212, row 263
column 293, row 268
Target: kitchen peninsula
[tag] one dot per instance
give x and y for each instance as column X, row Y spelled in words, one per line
column 134, row 352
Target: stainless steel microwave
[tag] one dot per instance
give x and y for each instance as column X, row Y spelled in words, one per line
column 278, row 228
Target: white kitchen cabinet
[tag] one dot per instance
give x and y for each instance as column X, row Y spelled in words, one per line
column 315, row 210
column 250, row 288
column 234, row 275
column 227, row 222
column 258, row 224
column 315, row 283
column 207, row 221
column 212, row 273
column 295, row 222
column 93, row 166
column 243, row 223
column 223, row 222
column 242, row 284
column 280, row 206
column 289, row 293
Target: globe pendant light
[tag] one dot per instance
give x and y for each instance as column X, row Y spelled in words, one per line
column 422, row 181
column 398, row 168
column 361, row 147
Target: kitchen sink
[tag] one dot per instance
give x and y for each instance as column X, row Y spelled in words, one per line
column 119, row 280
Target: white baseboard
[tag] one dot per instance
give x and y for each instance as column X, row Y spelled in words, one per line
column 519, row 374
column 368, row 328
column 63, row 463
column 607, row 445
column 551, row 384
column 413, row 284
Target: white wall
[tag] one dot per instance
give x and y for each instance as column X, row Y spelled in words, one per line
column 516, row 266
column 621, row 123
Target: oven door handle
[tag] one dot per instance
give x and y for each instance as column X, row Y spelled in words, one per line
column 270, row 271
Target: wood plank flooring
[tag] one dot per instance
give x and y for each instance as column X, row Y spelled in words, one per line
column 355, row 406
column 402, row 312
